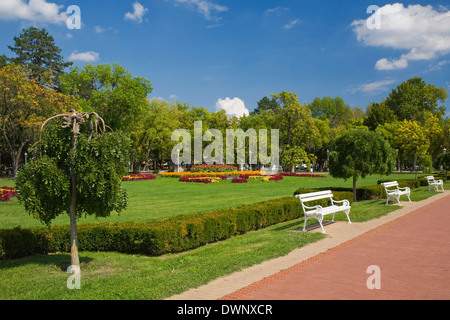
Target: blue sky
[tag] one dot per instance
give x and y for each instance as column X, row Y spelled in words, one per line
column 230, row 54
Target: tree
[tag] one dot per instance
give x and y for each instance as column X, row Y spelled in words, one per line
column 77, row 169
column 378, row 114
column 266, row 104
column 444, row 160
column 359, row 153
column 111, row 91
column 333, row 109
column 411, row 137
column 155, row 131
column 24, row 105
column 36, row 50
column 3, row 61
column 297, row 128
column 412, row 98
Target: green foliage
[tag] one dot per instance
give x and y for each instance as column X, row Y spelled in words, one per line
column 378, row 114
column 333, row 109
column 100, row 163
column 36, row 50
column 359, row 153
column 111, row 91
column 412, row 98
column 444, row 160
column 44, row 189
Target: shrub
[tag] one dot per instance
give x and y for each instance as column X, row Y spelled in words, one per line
column 239, row 180
column 152, row 238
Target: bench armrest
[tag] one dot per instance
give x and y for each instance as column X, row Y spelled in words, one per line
column 318, row 208
column 405, row 188
column 345, row 202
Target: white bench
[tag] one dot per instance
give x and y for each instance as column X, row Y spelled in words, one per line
column 319, row 212
column 394, row 191
column 435, row 183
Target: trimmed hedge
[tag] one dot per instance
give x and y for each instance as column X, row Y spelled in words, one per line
column 374, row 192
column 152, row 238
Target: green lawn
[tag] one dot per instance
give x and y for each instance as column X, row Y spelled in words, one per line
column 110, row 275
column 166, row 197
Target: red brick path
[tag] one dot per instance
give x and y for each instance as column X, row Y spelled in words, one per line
column 412, row 252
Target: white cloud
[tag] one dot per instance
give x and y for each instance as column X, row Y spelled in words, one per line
column 438, row 66
column 385, row 64
column 291, row 24
column 276, row 10
column 89, row 56
column 373, row 87
column 35, row 11
column 138, row 13
column 98, row 29
column 233, row 107
column 421, row 31
column 206, row 8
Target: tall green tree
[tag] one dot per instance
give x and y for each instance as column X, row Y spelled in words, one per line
column 412, row 98
column 359, row 153
column 111, row 91
column 333, row 109
column 266, row 104
column 378, row 114
column 36, row 50
column 297, row 129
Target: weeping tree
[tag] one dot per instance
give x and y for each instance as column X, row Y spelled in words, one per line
column 77, row 169
column 359, row 153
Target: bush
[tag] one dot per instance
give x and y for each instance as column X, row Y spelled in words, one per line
column 152, row 238
column 363, row 193
column 411, row 183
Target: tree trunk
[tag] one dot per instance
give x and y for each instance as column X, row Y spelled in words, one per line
column 74, row 258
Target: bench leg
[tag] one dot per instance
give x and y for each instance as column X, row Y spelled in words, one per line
column 347, row 212
column 304, row 223
column 320, row 218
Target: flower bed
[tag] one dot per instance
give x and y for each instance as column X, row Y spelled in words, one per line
column 209, row 174
column 276, row 178
column 213, row 168
column 294, row 174
column 135, row 177
column 201, row 179
column 239, row 180
column 6, row 193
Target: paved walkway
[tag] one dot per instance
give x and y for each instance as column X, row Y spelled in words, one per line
column 410, row 246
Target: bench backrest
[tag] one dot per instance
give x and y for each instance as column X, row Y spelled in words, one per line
column 430, row 179
column 391, row 184
column 314, row 196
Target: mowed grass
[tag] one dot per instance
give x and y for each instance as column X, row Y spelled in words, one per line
column 167, row 197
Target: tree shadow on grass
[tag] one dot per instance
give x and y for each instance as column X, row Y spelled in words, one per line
column 60, row 260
